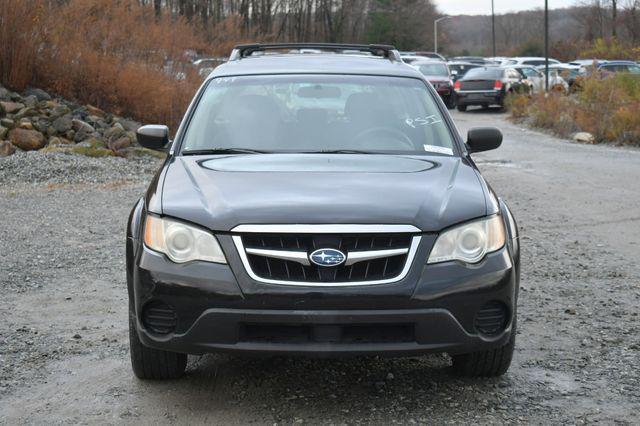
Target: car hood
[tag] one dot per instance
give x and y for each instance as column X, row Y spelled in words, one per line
column 220, row 193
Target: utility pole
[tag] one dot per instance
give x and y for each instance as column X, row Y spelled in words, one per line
column 614, row 17
column 546, row 45
column 493, row 27
column 435, row 32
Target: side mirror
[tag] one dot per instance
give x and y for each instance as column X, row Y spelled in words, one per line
column 483, row 139
column 153, row 136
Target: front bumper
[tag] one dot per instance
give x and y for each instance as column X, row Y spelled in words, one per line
column 219, row 308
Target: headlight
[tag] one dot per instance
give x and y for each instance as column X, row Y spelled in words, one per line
column 469, row 242
column 181, row 242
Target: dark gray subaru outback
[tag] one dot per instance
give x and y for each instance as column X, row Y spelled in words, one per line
column 318, row 200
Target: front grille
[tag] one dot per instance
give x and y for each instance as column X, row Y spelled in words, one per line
column 492, row 318
column 270, row 267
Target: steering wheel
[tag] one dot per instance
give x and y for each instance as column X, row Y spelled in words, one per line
column 365, row 139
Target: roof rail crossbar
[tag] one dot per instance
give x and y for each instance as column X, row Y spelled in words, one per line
column 386, row 51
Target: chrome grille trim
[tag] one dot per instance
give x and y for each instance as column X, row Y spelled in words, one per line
column 327, row 229
column 294, row 256
column 361, row 256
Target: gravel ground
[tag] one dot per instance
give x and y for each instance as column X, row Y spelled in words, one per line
column 63, row 339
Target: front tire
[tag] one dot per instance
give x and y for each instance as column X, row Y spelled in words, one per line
column 490, row 363
column 153, row 364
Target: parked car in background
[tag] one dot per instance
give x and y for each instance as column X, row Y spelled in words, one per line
column 569, row 73
column 438, row 74
column 535, row 78
column 613, row 67
column 529, row 60
column 487, row 86
column 473, row 59
column 586, row 62
column 458, row 69
column 499, row 60
column 409, row 59
column 424, row 54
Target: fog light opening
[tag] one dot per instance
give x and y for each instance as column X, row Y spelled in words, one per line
column 159, row 318
column 492, row 318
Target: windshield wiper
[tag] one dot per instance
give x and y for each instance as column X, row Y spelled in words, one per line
column 215, row 151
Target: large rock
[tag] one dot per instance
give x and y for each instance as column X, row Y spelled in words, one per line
column 25, row 123
column 59, row 111
column 95, row 111
column 115, row 132
column 62, row 124
column 119, row 144
column 25, row 112
column 30, row 101
column 79, row 125
column 27, row 140
column 41, row 124
column 40, row 94
column 4, row 93
column 83, row 130
column 6, row 148
column 128, row 125
column 584, row 137
column 3, row 132
column 7, row 122
column 11, row 107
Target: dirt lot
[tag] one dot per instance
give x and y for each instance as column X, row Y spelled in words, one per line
column 63, row 339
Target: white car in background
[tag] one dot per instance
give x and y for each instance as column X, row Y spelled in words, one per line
column 529, row 60
column 586, row 62
column 500, row 60
column 536, row 81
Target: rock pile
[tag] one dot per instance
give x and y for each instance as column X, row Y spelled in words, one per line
column 34, row 120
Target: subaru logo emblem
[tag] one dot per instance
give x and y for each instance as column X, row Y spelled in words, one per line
column 327, row 257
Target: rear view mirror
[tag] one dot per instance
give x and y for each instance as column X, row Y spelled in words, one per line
column 153, row 136
column 318, row 91
column 483, row 139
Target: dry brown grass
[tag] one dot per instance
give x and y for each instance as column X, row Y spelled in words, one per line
column 111, row 54
column 608, row 108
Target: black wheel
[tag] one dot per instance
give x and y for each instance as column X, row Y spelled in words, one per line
column 154, row 364
column 491, row 363
column 462, row 108
column 452, row 102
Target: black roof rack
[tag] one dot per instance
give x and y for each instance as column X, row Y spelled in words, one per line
column 386, row 51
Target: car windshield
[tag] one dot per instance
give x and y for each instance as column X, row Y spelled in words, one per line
column 483, row 73
column 528, row 72
column 318, row 113
column 434, row 69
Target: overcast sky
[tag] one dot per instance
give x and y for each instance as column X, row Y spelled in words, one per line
column 483, row 7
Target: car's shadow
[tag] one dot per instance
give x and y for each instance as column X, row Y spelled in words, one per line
column 480, row 110
column 328, row 388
